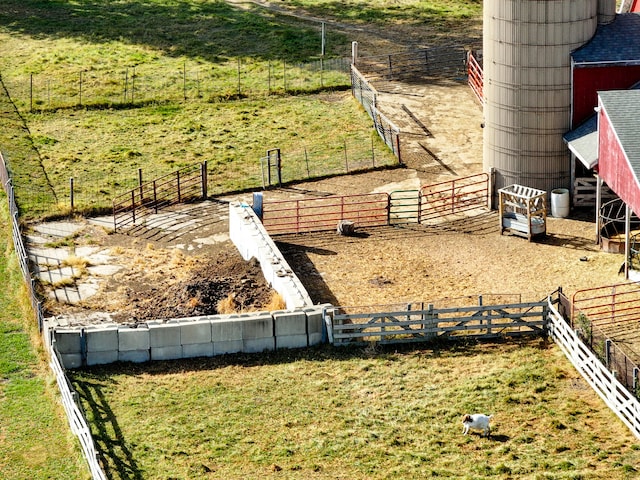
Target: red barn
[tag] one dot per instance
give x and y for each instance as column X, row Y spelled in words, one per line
column 609, row 61
column 619, row 144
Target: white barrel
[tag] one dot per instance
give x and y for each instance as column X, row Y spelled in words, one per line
column 560, row 202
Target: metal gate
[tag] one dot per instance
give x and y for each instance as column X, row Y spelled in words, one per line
column 461, row 195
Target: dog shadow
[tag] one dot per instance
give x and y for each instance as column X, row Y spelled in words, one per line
column 499, row 438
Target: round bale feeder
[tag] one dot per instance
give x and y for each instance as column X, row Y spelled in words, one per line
column 523, row 211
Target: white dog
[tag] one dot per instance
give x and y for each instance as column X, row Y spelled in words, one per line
column 477, row 421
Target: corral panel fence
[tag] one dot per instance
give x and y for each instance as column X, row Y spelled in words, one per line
column 420, row 322
column 454, row 197
column 184, row 185
column 316, row 214
column 366, row 94
column 604, row 382
column 607, row 319
column 75, row 416
column 430, row 204
column 474, row 75
column 436, row 62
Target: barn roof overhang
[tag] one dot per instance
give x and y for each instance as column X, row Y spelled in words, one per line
column 583, row 142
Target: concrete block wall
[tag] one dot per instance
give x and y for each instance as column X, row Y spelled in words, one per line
column 252, row 241
column 188, row 337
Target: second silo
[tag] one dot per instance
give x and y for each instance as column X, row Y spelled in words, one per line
column 527, row 87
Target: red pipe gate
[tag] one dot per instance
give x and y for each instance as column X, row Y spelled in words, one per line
column 430, row 204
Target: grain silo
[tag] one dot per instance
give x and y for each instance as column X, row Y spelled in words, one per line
column 527, row 86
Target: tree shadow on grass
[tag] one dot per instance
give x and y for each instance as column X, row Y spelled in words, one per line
column 208, row 30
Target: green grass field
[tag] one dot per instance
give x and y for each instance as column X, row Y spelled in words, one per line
column 357, row 414
column 35, row 440
column 321, row 413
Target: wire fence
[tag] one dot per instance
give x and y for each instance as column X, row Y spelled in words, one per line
column 150, row 82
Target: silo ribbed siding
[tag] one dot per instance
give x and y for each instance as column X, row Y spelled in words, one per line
column 527, row 87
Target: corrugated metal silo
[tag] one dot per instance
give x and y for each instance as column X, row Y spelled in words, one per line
column 527, row 87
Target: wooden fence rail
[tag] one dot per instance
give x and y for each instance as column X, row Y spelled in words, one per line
column 403, row 326
column 620, row 400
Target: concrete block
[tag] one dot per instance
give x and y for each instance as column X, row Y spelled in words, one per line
column 227, row 346
column 196, row 331
column 258, row 325
column 102, row 338
column 135, row 356
column 289, row 323
column 257, row 345
column 102, row 358
column 68, row 340
column 226, row 329
column 71, row 360
column 315, row 325
column 164, row 335
column 197, row 350
column 133, row 338
column 166, row 353
column 291, row 341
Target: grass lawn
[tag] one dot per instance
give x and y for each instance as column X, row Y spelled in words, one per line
column 357, row 414
column 35, row 440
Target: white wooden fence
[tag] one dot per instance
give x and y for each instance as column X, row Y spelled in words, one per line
column 622, row 402
column 75, row 415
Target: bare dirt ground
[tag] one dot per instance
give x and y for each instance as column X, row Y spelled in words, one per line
column 184, row 264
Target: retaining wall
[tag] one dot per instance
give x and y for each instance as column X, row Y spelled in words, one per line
column 188, row 337
column 253, row 241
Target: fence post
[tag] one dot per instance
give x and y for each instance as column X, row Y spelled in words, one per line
column 607, row 352
column 635, row 381
column 184, row 81
column 133, row 207
column 203, row 170
column 71, row 192
column 80, row 92
column 178, row 180
column 155, row 197
column 140, row 185
column 31, row 93
column 346, row 158
column 238, row 76
column 306, row 159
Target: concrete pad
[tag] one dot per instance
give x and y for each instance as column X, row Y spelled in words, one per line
column 105, row 221
column 213, row 239
column 76, row 293
column 58, row 229
column 56, row 275
column 48, row 256
column 104, row 270
column 172, row 221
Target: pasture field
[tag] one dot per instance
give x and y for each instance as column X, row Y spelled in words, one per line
column 35, row 440
column 357, row 414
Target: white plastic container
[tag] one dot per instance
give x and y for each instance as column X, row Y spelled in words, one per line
column 560, row 202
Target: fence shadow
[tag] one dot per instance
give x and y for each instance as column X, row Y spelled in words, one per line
column 118, row 461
